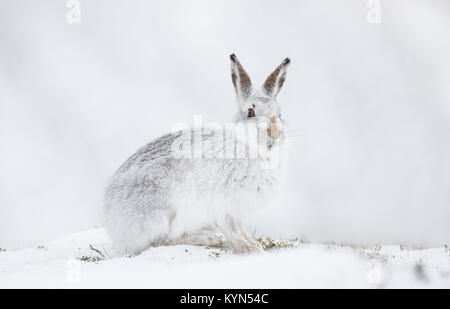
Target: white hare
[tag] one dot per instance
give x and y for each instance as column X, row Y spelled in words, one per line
column 164, row 196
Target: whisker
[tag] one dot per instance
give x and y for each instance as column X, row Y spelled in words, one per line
column 292, row 130
column 285, row 135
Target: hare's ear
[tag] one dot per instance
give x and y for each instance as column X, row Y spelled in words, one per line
column 240, row 78
column 275, row 81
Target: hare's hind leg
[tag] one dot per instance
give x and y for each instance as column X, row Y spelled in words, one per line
column 203, row 237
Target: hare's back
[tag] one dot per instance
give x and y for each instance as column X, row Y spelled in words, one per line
column 147, row 172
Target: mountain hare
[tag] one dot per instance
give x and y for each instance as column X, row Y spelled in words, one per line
column 195, row 186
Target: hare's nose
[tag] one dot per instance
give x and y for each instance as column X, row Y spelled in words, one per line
column 273, row 130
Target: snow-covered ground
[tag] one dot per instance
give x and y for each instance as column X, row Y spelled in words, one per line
column 84, row 260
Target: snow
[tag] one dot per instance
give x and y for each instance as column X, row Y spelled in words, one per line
column 58, row 264
column 366, row 106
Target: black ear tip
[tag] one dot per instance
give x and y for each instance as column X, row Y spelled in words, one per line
column 233, row 57
column 286, row 61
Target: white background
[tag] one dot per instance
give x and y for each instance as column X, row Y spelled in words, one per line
column 369, row 105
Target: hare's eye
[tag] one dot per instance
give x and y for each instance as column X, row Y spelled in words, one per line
column 251, row 113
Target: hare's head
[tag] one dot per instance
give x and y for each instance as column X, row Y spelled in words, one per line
column 260, row 105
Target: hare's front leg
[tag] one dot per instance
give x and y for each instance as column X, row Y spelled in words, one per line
column 239, row 240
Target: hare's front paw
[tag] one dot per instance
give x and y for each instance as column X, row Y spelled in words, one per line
column 243, row 246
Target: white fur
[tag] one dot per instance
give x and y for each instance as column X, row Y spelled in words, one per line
column 157, row 198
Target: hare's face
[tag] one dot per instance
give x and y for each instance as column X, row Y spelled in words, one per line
column 260, row 106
